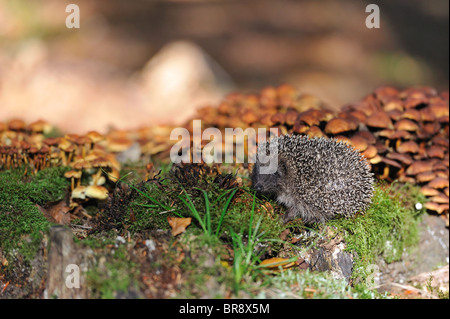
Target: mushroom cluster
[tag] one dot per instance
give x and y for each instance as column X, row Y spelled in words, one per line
column 403, row 133
column 27, row 145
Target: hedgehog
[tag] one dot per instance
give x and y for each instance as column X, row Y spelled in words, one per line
column 314, row 178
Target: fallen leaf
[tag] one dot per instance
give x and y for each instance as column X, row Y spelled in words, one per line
column 284, row 234
column 58, row 212
column 276, row 262
column 178, row 224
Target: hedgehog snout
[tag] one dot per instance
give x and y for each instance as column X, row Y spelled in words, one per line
column 258, row 187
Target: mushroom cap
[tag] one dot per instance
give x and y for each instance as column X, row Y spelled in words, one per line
column 16, row 125
column 427, row 115
column 370, row 152
column 73, row 173
column 408, row 147
column 300, row 128
column 39, row 126
column 339, row 125
column 425, row 177
column 315, row 131
column 412, row 114
column 82, row 140
column 51, row 141
column 368, row 136
column 436, row 151
column 419, row 167
column 404, row 158
column 393, row 104
column 359, row 143
column 438, row 183
column 79, row 192
column 391, row 162
column 406, row 125
column 434, row 207
column 429, row 191
column 379, row 120
column 278, row 118
column 118, row 144
column 96, row 191
column 310, row 117
column 291, row 117
column 440, row 199
column 95, row 136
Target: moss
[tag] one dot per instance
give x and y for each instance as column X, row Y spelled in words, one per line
column 114, row 276
column 21, row 223
column 388, row 227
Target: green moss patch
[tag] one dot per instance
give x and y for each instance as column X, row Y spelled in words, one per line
column 21, row 222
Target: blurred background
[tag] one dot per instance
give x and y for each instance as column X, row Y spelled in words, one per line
column 142, row 62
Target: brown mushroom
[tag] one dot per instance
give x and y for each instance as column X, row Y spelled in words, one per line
column 311, row 117
column 419, row 167
column 440, row 199
column 359, row 143
column 408, row 147
column 338, row 125
column 16, row 125
column 379, row 120
column 425, row 177
column 370, row 152
column 429, row 191
column 403, row 158
column 436, row 151
column 438, row 183
column 412, row 114
column 73, row 175
column 315, row 131
column 291, row 117
column 406, row 125
column 97, row 192
column 434, row 207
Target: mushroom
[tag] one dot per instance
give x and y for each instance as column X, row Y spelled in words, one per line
column 315, row 131
column 97, row 192
column 408, row 147
column 370, row 152
column 16, row 125
column 436, row 151
column 425, row 177
column 291, row 117
column 406, row 125
column 73, row 175
column 310, row 117
column 434, row 207
column 339, row 125
column 412, row 114
column 403, row 158
column 300, row 128
column 419, row 167
column 79, row 192
column 359, row 143
column 429, row 191
column 438, row 183
column 380, row 120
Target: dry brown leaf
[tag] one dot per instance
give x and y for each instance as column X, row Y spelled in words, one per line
column 58, row 212
column 178, row 224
